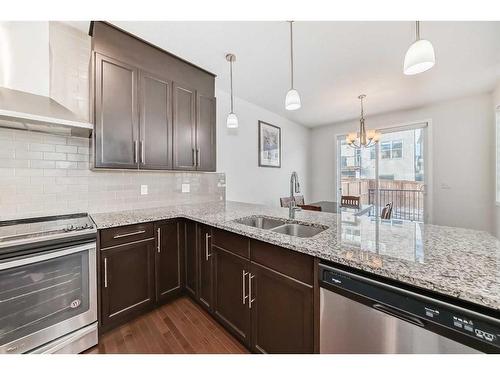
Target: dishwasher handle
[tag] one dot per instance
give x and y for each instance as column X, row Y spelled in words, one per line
column 398, row 314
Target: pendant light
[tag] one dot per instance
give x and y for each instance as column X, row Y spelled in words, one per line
column 363, row 138
column 232, row 120
column 292, row 100
column 420, row 56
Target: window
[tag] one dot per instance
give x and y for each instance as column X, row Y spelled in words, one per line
column 397, row 149
column 385, row 150
column 373, row 152
column 391, row 149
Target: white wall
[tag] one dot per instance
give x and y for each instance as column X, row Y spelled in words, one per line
column 496, row 110
column 237, row 154
column 462, row 139
column 24, row 56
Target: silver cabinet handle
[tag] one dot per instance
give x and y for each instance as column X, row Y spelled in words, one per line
column 207, row 253
column 193, row 158
column 105, row 272
column 129, row 234
column 198, row 157
column 244, row 296
column 135, row 152
column 250, row 299
column 141, row 145
column 159, row 239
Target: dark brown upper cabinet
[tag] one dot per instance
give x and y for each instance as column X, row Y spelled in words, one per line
column 184, row 128
column 205, row 133
column 152, row 109
column 155, row 108
column 116, row 119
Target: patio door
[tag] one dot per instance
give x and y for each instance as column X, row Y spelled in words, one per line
column 391, row 172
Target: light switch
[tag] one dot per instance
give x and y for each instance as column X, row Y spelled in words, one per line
column 144, row 189
column 186, row 188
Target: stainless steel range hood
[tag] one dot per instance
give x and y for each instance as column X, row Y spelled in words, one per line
column 23, row 110
column 38, row 66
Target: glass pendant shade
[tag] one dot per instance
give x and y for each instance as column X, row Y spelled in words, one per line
column 292, row 100
column 232, row 121
column 419, row 57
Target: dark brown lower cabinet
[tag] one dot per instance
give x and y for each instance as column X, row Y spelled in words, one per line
column 205, row 269
column 127, row 281
column 231, row 273
column 282, row 313
column 191, row 258
column 168, row 259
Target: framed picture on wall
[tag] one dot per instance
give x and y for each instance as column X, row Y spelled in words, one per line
column 269, row 145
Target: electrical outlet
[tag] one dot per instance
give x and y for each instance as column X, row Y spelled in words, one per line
column 144, row 189
column 186, row 188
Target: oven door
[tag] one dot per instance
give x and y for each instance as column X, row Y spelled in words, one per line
column 45, row 296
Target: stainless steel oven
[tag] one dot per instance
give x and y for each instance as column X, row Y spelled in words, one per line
column 48, row 300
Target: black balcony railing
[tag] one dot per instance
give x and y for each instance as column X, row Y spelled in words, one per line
column 406, row 204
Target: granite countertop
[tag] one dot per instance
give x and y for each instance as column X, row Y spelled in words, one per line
column 462, row 263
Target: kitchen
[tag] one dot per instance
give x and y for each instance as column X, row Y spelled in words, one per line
column 147, row 207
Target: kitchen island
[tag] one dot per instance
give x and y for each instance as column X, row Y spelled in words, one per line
column 457, row 262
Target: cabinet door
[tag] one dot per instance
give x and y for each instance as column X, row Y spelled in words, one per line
column 116, row 120
column 282, row 313
column 127, row 281
column 184, row 127
column 190, row 258
column 231, row 274
column 167, row 270
column 205, row 291
column 155, row 100
column 205, row 133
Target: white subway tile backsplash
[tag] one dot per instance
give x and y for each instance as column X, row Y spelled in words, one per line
column 78, row 157
column 54, row 156
column 66, row 164
column 31, row 184
column 28, row 155
column 82, row 142
column 67, row 149
column 42, row 147
column 54, row 139
column 55, row 172
column 42, row 164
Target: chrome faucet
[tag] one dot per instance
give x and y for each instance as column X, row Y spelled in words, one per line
column 294, row 188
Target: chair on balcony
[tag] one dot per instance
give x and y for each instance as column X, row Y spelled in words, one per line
column 386, row 212
column 299, row 201
column 349, row 201
column 285, row 202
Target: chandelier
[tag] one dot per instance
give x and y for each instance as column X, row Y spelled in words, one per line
column 363, row 138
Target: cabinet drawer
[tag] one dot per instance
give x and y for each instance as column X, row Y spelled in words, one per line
column 291, row 263
column 232, row 242
column 125, row 234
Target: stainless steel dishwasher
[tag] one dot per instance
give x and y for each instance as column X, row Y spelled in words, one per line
column 362, row 315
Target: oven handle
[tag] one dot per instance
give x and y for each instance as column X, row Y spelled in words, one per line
column 42, row 257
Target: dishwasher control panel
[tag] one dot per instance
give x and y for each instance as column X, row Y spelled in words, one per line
column 412, row 307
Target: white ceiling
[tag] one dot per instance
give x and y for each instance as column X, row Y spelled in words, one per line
column 334, row 62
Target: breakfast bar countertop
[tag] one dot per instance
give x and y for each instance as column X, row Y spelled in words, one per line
column 458, row 262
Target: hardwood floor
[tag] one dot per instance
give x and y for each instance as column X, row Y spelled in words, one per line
column 177, row 327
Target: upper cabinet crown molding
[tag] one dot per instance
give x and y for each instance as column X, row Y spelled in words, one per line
column 152, row 110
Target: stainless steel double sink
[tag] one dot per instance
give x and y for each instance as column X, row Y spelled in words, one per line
column 281, row 226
